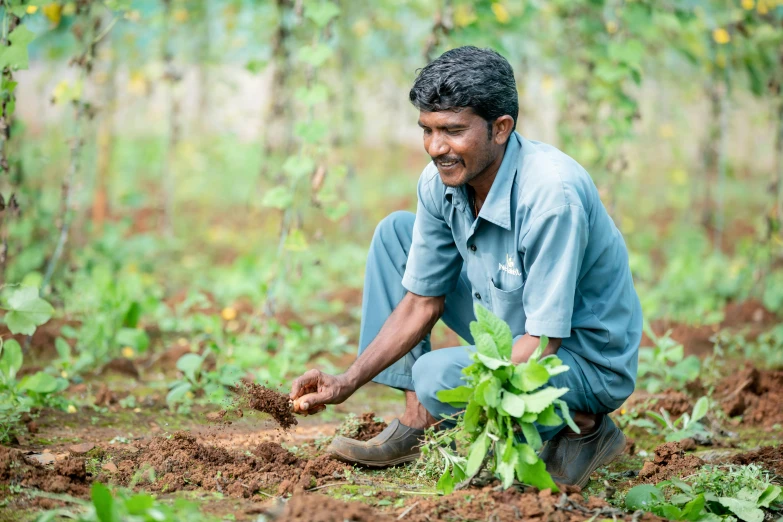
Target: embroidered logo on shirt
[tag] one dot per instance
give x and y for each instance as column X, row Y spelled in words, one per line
column 509, row 267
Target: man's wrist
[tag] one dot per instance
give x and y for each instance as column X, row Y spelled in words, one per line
column 349, row 382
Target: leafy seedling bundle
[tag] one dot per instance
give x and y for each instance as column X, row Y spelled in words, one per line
column 503, row 402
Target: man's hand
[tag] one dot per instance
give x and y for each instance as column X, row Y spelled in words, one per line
column 527, row 344
column 314, row 390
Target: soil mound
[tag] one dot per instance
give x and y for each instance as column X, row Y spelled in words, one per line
column 369, row 427
column 67, row 476
column 269, row 401
column 768, row 456
column 673, row 401
column 754, row 394
column 312, row 507
column 182, row 463
column 669, row 461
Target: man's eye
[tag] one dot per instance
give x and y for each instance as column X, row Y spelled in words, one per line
column 454, row 132
column 427, row 132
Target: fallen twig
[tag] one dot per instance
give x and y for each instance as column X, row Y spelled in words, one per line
column 408, row 510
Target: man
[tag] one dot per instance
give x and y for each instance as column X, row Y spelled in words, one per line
column 516, row 226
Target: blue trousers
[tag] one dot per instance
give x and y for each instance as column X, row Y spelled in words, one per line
column 424, row 371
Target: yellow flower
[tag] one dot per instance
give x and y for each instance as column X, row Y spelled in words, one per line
column 679, row 176
column 464, row 15
column 623, row 411
column 181, row 15
column 611, row 27
column 748, row 4
column 31, row 9
column 53, row 12
column 128, row 352
column 182, row 341
column 762, row 7
column 721, row 36
column 64, row 374
column 71, row 408
column 501, row 13
column 228, row 314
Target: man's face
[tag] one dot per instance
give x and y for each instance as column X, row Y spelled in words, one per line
column 458, row 143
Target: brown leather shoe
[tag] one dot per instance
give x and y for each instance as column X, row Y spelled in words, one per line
column 394, row 445
column 571, row 461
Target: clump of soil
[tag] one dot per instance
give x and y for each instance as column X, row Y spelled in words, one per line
column 312, row 507
column 269, row 401
column 673, row 401
column 769, row 457
column 67, row 476
column 754, row 394
column 182, row 463
column 363, row 428
column 669, row 461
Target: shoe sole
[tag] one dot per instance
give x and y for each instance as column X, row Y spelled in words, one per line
column 375, row 463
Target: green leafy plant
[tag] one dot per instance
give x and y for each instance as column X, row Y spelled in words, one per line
column 684, row 426
column 18, row 397
column 713, row 494
column 124, row 506
column 503, row 402
column 665, row 363
column 195, row 380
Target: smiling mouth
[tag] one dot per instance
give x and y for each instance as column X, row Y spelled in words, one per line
column 447, row 164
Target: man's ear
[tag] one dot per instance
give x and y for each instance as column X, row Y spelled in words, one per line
column 502, row 128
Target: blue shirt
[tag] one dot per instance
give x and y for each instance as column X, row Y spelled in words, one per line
column 543, row 255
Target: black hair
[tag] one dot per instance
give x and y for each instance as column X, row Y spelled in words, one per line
column 468, row 77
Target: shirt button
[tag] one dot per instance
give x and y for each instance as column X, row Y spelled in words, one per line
column 478, row 296
column 472, row 248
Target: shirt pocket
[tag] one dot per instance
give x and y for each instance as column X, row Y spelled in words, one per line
column 507, row 304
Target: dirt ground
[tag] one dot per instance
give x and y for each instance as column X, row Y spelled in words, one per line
column 244, row 463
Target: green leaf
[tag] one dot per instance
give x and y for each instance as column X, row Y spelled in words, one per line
column 549, row 417
column 176, row 394
column 315, row 55
column 26, row 311
column 565, row 413
column 40, row 382
column 445, row 483
column 693, row 509
column 312, row 95
column 321, row 13
column 505, row 470
column 478, row 451
column 535, row 475
column 11, row 359
column 279, row 197
column 513, row 404
column 492, row 393
column 103, row 502
column 643, row 497
column 536, row 402
column 485, row 345
column 456, row 396
column 527, row 453
column 255, row 66
column 132, row 316
column 296, row 241
column 136, row 339
column 497, row 329
column 745, row 510
column 63, row 348
column 529, row 376
column 312, row 131
column 16, row 56
column 700, row 409
column 532, row 436
column 139, row 504
column 472, row 417
column 769, row 496
column 489, row 362
column 542, row 342
column 190, row 364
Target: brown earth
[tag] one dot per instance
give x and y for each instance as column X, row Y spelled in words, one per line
column 755, row 394
column 312, row 507
column 369, row 427
column 182, row 463
column 266, row 400
column 673, row 401
column 67, row 476
column 669, row 461
column 771, row 457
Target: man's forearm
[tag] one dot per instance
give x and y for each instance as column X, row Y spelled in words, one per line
column 410, row 322
column 527, row 344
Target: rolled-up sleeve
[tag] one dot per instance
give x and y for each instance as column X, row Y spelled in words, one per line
column 434, row 262
column 553, row 249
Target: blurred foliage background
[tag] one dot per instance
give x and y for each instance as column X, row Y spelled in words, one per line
column 208, row 174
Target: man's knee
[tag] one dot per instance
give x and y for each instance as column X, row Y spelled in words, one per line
column 393, row 228
column 432, row 373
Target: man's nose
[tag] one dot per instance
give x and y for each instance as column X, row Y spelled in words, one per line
column 437, row 146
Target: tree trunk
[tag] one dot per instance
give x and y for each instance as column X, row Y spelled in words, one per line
column 105, row 143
